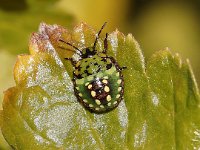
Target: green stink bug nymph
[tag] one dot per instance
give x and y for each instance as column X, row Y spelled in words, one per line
column 98, row 80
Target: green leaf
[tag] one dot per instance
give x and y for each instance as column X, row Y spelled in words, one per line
column 159, row 111
column 172, row 83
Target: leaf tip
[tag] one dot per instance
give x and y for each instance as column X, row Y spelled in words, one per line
column 42, row 27
column 82, row 26
column 130, row 37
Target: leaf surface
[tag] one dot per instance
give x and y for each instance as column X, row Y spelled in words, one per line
column 159, row 111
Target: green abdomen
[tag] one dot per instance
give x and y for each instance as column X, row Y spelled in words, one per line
column 100, row 91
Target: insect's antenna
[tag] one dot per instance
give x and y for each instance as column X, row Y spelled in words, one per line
column 61, row 40
column 95, row 42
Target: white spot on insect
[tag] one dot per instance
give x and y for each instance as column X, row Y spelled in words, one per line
column 85, row 100
column 115, row 102
column 90, row 105
column 98, row 102
column 119, row 81
column 93, row 93
column 101, row 106
column 89, row 86
column 97, row 108
column 109, row 104
column 80, row 94
column 105, row 81
column 119, row 89
column 118, row 95
column 77, row 88
column 106, row 89
column 108, row 98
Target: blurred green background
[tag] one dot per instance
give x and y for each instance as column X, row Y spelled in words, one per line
column 156, row 24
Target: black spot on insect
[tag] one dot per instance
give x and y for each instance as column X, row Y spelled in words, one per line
column 108, row 66
column 79, row 76
column 86, row 71
column 87, row 66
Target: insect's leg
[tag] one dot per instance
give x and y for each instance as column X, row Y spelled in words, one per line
column 113, row 61
column 72, row 61
column 105, row 44
column 61, row 40
column 123, row 67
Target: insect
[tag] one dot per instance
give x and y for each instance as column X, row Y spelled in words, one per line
column 97, row 77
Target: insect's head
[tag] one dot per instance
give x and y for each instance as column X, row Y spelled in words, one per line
column 88, row 51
